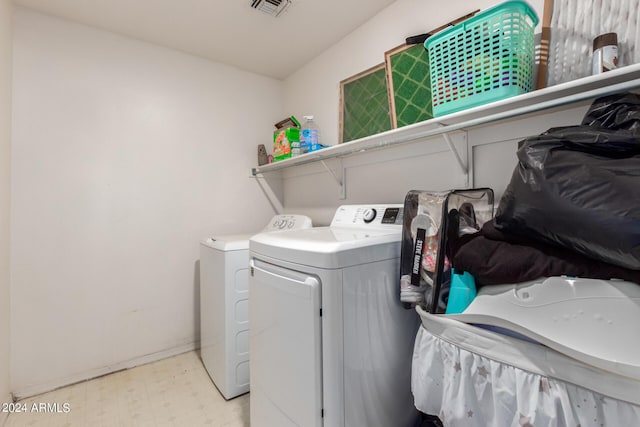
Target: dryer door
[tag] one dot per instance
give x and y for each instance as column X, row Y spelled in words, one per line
column 286, row 348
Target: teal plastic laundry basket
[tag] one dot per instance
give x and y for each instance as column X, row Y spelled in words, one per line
column 483, row 59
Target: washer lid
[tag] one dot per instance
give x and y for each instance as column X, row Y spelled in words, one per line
column 329, row 247
column 231, row 242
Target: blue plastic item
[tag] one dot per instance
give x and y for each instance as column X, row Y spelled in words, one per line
column 461, row 293
column 483, row 59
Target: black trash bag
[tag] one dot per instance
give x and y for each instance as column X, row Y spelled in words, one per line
column 578, row 187
column 615, row 112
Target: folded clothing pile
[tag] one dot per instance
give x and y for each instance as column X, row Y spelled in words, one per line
column 494, row 257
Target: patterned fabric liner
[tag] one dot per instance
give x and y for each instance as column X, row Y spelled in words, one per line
column 479, row 388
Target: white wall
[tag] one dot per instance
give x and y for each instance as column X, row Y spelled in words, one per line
column 125, row 155
column 5, row 189
column 386, row 175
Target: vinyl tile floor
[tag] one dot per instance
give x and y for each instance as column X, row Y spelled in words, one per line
column 175, row 392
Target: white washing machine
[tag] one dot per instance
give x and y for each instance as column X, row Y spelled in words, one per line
column 331, row 344
column 224, row 323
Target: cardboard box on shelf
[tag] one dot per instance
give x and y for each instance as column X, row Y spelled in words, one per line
column 282, row 139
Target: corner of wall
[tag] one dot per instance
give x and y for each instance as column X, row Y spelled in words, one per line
column 6, row 41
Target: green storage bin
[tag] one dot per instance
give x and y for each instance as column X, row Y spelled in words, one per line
column 483, row 59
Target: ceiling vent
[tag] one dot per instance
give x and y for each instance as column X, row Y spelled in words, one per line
column 272, row 7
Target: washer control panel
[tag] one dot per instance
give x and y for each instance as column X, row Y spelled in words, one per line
column 288, row 222
column 368, row 216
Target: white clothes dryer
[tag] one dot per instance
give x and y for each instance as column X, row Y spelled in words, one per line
column 331, row 344
column 224, row 323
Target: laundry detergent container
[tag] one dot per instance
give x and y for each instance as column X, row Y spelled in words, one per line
column 483, row 59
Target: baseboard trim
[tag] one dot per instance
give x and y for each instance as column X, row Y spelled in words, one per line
column 99, row 372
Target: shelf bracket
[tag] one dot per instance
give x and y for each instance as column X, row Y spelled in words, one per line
column 464, row 167
column 338, row 179
column 273, row 199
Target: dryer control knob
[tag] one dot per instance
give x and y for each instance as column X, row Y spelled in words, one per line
column 369, row 215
